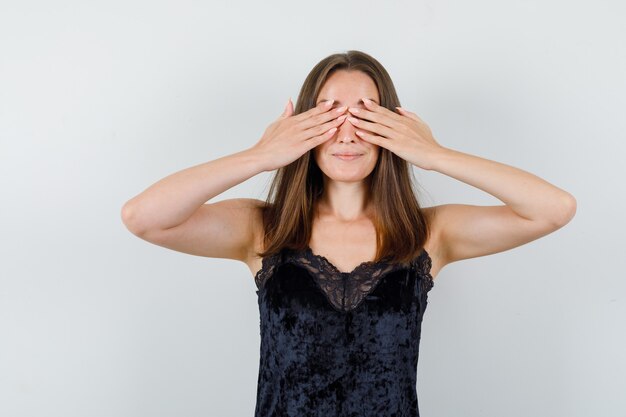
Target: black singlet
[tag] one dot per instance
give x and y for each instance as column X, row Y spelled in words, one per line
column 339, row 344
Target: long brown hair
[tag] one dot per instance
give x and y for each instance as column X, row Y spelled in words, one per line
column 401, row 226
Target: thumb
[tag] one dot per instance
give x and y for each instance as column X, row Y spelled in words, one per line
column 288, row 109
column 408, row 114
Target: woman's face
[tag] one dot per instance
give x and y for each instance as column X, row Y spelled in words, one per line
column 347, row 88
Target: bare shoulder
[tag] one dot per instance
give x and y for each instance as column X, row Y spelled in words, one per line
column 432, row 245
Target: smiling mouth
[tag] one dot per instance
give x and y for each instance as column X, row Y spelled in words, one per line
column 347, row 157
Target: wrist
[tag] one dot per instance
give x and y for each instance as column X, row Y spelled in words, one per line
column 439, row 154
column 255, row 159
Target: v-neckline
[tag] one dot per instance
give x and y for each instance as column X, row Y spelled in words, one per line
column 365, row 277
column 334, row 268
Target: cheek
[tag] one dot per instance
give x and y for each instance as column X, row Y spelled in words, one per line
column 319, row 150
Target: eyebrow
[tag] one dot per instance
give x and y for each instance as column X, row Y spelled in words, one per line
column 339, row 101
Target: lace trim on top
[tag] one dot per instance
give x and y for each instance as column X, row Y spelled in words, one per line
column 344, row 290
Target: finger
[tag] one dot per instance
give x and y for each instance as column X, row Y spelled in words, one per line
column 373, row 107
column 322, row 118
column 321, row 107
column 319, row 139
column 381, row 130
column 380, row 118
column 408, row 114
column 321, row 128
column 375, row 139
column 285, row 112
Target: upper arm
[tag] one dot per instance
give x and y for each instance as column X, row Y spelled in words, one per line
column 468, row 231
column 224, row 229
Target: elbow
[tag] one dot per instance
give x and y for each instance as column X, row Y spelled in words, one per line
column 566, row 210
column 129, row 218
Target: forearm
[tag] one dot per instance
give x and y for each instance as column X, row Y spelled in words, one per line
column 529, row 196
column 173, row 199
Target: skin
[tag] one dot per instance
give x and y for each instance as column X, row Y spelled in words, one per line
column 343, row 231
column 532, row 207
column 344, row 181
column 171, row 213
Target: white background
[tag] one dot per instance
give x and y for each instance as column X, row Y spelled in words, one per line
column 98, row 100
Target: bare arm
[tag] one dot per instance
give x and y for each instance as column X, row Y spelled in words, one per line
column 172, row 200
column 533, row 207
column 172, row 212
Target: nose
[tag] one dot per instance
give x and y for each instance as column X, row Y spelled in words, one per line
column 346, row 132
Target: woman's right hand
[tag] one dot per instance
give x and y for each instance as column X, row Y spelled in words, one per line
column 290, row 137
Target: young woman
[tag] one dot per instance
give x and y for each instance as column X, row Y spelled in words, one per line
column 342, row 254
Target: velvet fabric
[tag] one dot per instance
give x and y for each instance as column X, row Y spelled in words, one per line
column 339, row 344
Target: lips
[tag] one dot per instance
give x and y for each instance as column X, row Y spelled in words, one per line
column 347, row 157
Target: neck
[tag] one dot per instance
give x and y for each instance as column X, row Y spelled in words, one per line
column 344, row 201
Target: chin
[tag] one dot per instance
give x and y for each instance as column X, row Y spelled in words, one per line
column 346, row 174
column 345, row 178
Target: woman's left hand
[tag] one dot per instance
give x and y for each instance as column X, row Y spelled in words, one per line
column 404, row 134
